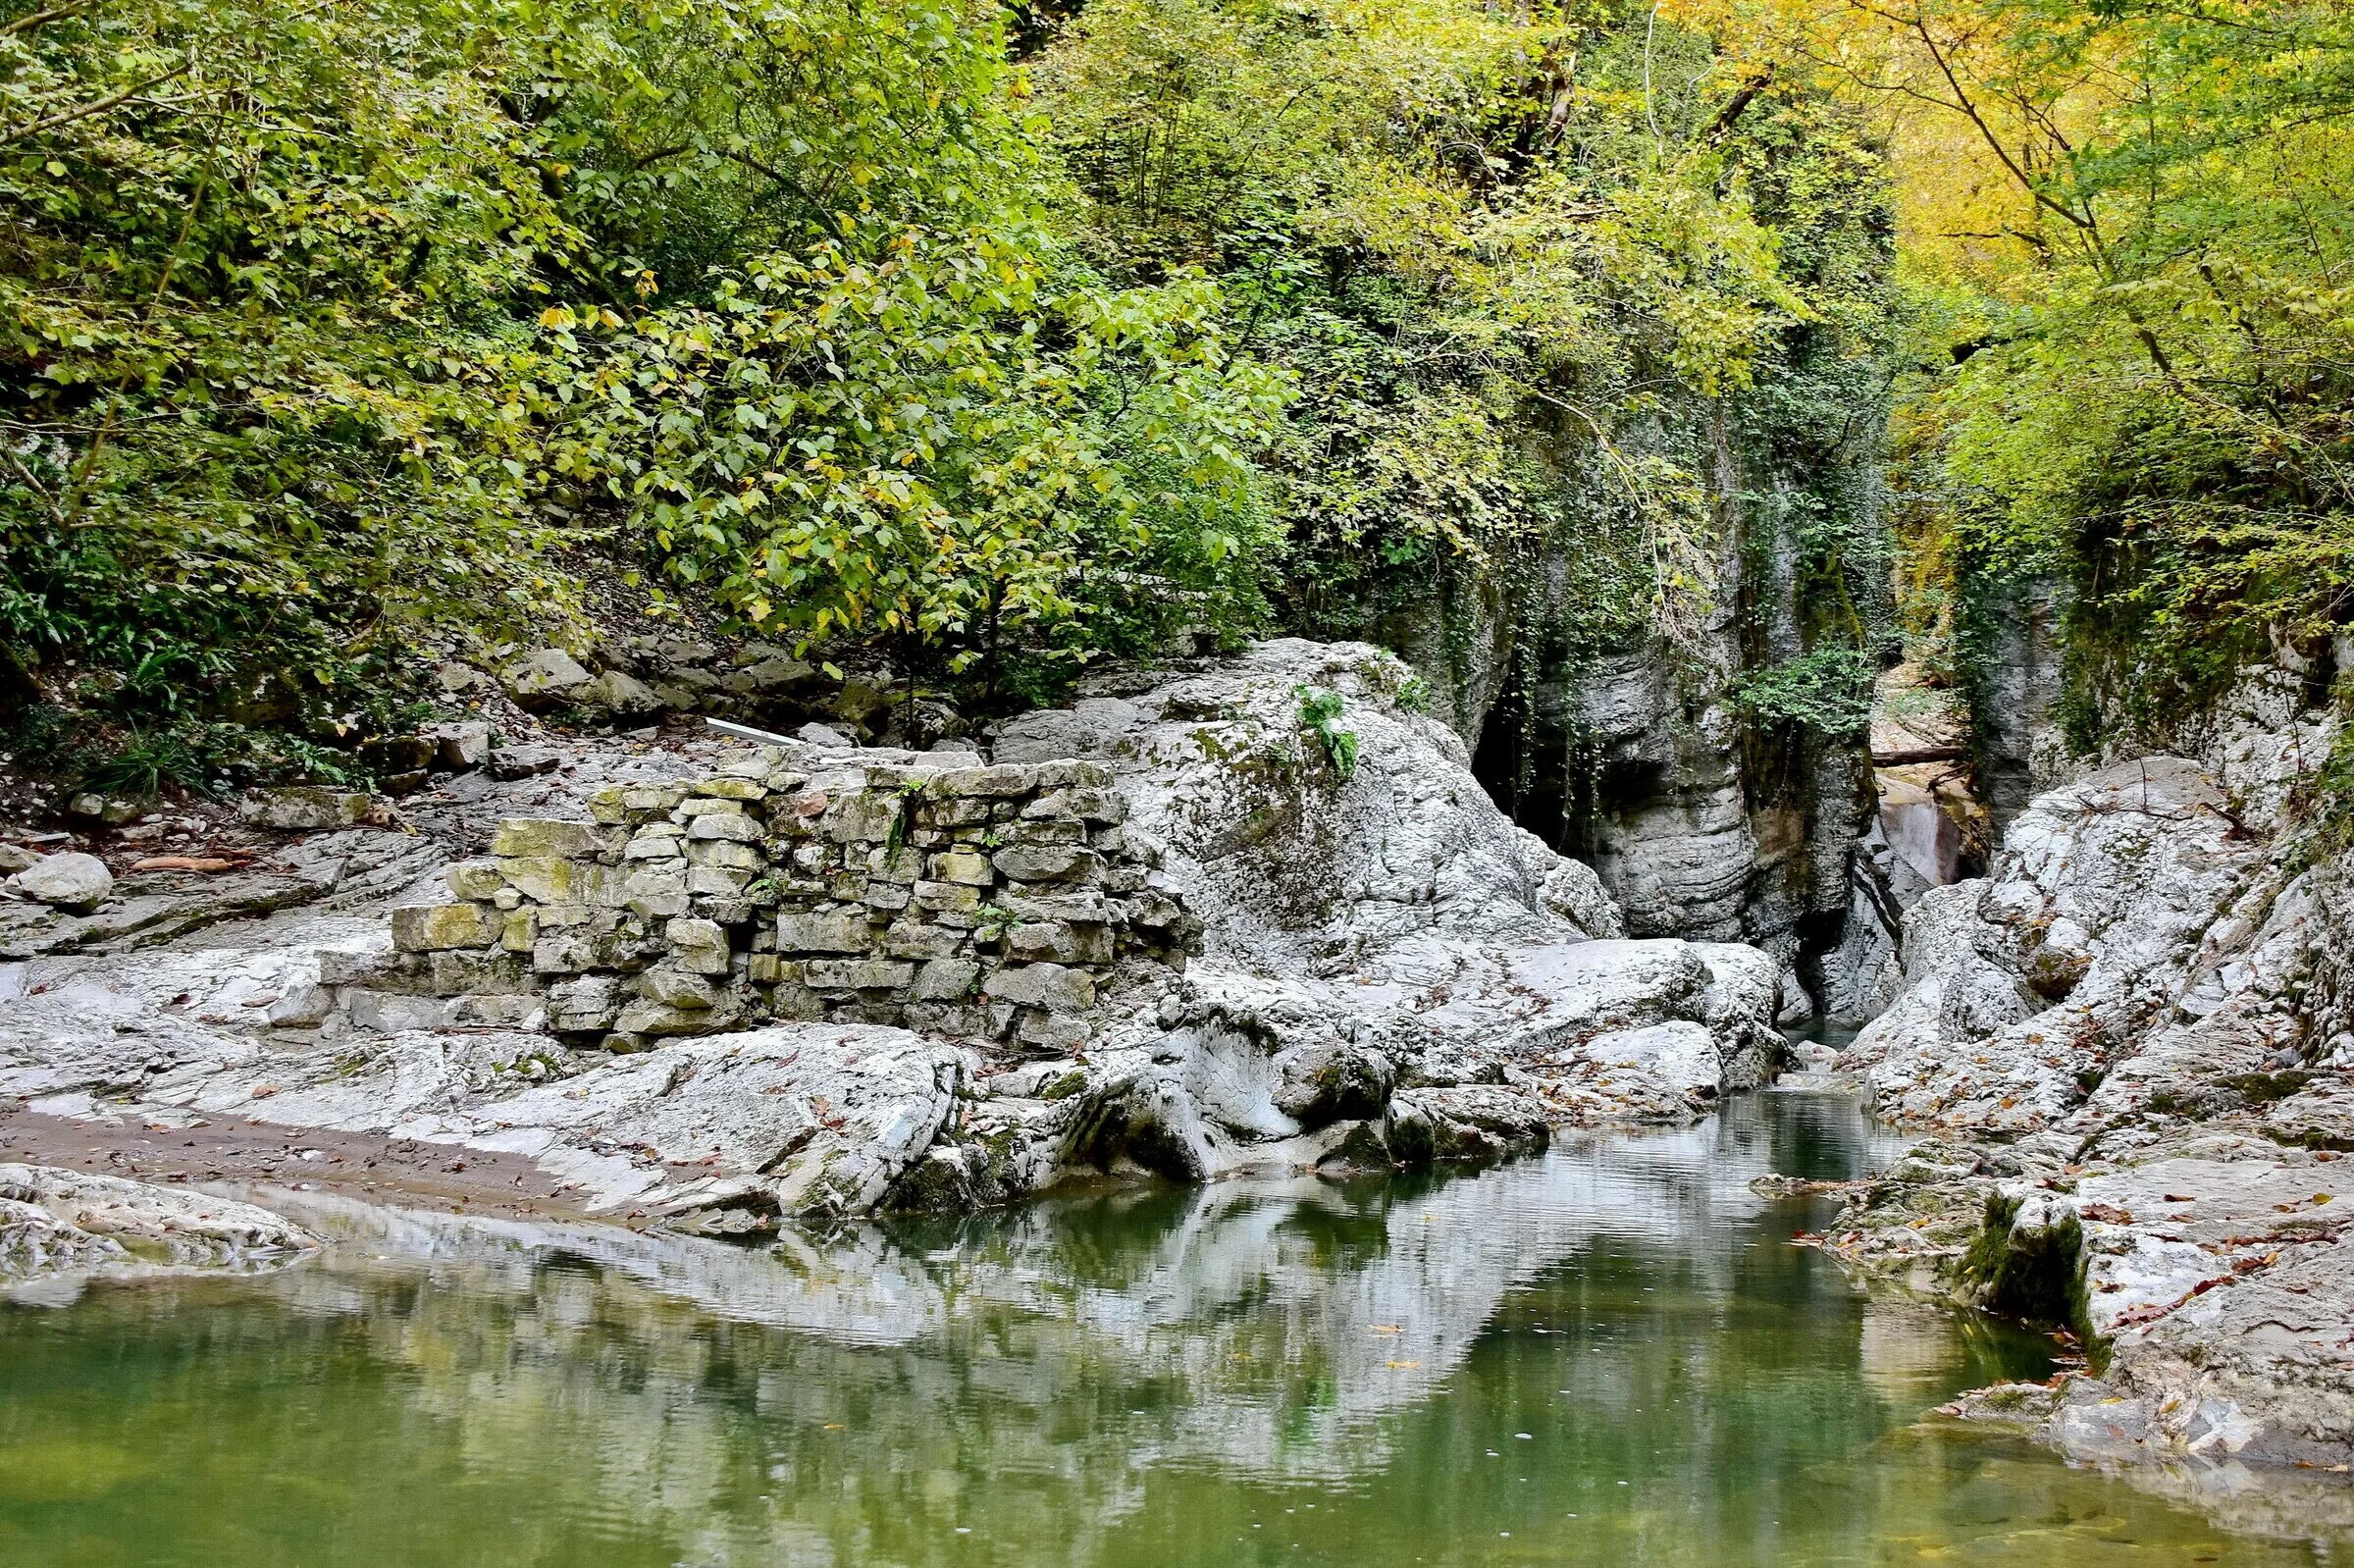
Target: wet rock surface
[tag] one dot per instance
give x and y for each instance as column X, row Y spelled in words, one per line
column 67, row 1223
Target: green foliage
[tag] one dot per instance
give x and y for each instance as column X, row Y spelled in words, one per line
column 250, row 394
column 315, row 331
column 1319, row 714
column 896, row 409
column 141, row 759
column 1828, row 689
column 320, row 329
column 2137, row 378
column 933, row 446
column 1508, row 253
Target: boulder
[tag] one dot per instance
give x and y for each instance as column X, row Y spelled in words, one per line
column 74, row 882
column 463, row 747
column 779, row 674
column 1053, row 986
column 860, row 702
column 509, row 762
column 545, row 678
column 547, row 836
column 620, row 695
column 303, row 807
column 1472, row 1123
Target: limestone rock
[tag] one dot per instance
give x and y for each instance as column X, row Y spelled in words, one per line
column 461, row 748
column 112, row 811
column 1051, row 986
column 823, row 933
column 2127, row 1016
column 859, row 974
column 620, row 695
column 545, row 678
column 780, row 674
column 1473, row 1123
column 1399, row 915
column 509, row 762
column 438, row 928
column 546, row 837
column 53, row 1221
column 74, row 882
column 2020, row 986
column 303, row 807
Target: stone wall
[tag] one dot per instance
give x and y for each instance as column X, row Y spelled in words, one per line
column 983, row 902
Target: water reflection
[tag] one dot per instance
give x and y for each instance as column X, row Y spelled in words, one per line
column 1611, row 1355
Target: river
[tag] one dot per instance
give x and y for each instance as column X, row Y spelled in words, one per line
column 1609, row 1355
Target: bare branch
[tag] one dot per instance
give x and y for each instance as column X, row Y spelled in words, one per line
column 115, row 101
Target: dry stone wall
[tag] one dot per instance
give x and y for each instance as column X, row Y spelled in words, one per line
column 1002, row 903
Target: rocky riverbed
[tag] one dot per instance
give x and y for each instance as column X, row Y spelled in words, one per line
column 2123, row 1053
column 1391, row 974
column 2126, row 1052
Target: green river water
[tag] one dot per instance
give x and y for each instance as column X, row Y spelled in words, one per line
column 1611, row 1355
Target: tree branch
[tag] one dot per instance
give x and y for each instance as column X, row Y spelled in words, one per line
column 68, row 116
column 794, row 187
column 1737, row 104
column 37, row 19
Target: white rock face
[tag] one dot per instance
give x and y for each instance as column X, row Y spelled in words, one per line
column 1389, row 926
column 1684, row 861
column 2105, row 913
column 74, row 882
column 1394, row 973
column 66, row 1222
column 717, row 1133
column 1286, row 862
column 2146, row 1002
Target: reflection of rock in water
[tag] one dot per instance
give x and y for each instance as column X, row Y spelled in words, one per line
column 1906, row 1350
column 1274, row 1321
column 1140, row 1376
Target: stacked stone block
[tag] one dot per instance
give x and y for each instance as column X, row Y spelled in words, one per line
column 991, row 901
